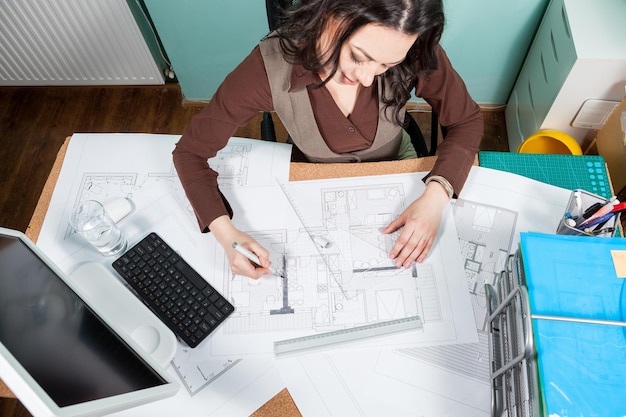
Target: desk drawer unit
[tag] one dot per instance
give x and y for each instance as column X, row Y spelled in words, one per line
column 577, row 54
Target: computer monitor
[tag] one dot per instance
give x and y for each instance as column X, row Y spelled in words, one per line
column 57, row 354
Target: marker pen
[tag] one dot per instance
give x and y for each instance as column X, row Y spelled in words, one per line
column 619, row 208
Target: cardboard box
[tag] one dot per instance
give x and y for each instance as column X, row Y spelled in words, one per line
column 611, row 144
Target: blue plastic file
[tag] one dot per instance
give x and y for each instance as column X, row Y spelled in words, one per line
column 582, row 366
column 573, row 276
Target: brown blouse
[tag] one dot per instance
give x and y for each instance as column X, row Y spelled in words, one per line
column 246, row 91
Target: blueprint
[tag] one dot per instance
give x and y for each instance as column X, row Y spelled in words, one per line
column 350, row 281
column 486, row 234
column 139, row 167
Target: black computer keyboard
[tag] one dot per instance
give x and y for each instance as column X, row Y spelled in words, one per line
column 173, row 290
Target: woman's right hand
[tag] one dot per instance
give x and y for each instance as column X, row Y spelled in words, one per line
column 226, row 233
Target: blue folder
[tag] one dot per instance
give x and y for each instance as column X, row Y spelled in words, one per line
column 573, row 276
column 582, row 366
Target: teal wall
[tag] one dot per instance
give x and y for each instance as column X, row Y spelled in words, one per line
column 486, row 40
column 146, row 26
column 205, row 40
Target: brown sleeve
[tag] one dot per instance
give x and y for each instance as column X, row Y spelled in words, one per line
column 242, row 94
column 446, row 92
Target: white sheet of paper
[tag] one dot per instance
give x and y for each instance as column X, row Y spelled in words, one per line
column 349, row 213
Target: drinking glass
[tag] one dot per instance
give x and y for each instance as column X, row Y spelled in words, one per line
column 91, row 221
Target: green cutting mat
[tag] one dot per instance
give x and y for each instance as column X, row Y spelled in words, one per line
column 586, row 172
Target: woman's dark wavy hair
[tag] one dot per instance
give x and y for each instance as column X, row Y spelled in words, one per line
column 303, row 23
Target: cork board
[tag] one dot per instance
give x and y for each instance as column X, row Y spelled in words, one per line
column 46, row 194
column 305, row 171
column 5, row 392
column 282, row 404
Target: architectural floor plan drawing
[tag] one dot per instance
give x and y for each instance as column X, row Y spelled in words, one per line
column 333, row 277
column 337, row 273
column 485, row 237
column 232, row 164
column 103, row 186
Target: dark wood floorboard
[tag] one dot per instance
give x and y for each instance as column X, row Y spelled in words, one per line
column 34, row 122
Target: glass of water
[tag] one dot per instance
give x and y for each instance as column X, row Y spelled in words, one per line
column 91, row 221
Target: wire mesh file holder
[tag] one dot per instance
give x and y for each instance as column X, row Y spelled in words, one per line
column 513, row 365
column 579, row 208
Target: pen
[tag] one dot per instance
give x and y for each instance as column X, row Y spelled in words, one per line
column 595, row 221
column 251, row 256
column 602, row 211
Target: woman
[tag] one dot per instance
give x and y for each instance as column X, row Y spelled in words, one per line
column 338, row 73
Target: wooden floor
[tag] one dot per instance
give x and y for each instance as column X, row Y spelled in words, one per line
column 34, row 122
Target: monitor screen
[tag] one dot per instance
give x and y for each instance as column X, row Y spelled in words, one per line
column 54, row 335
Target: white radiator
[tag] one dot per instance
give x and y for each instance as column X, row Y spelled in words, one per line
column 73, row 42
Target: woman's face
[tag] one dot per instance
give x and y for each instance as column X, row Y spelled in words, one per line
column 371, row 51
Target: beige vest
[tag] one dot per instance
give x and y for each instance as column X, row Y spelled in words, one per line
column 294, row 110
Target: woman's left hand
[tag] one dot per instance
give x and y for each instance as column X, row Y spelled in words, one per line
column 421, row 221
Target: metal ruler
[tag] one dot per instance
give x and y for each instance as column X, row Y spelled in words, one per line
column 304, row 343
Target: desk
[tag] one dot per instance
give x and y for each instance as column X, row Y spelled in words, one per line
column 282, row 404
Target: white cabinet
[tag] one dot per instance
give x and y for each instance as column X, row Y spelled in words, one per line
column 579, row 53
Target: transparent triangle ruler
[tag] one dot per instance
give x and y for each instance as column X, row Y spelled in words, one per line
column 197, row 373
column 334, row 272
column 336, row 337
column 367, row 242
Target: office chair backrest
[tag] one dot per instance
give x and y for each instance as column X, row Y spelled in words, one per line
column 273, row 8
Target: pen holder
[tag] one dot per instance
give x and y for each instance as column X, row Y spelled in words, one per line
column 580, row 207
